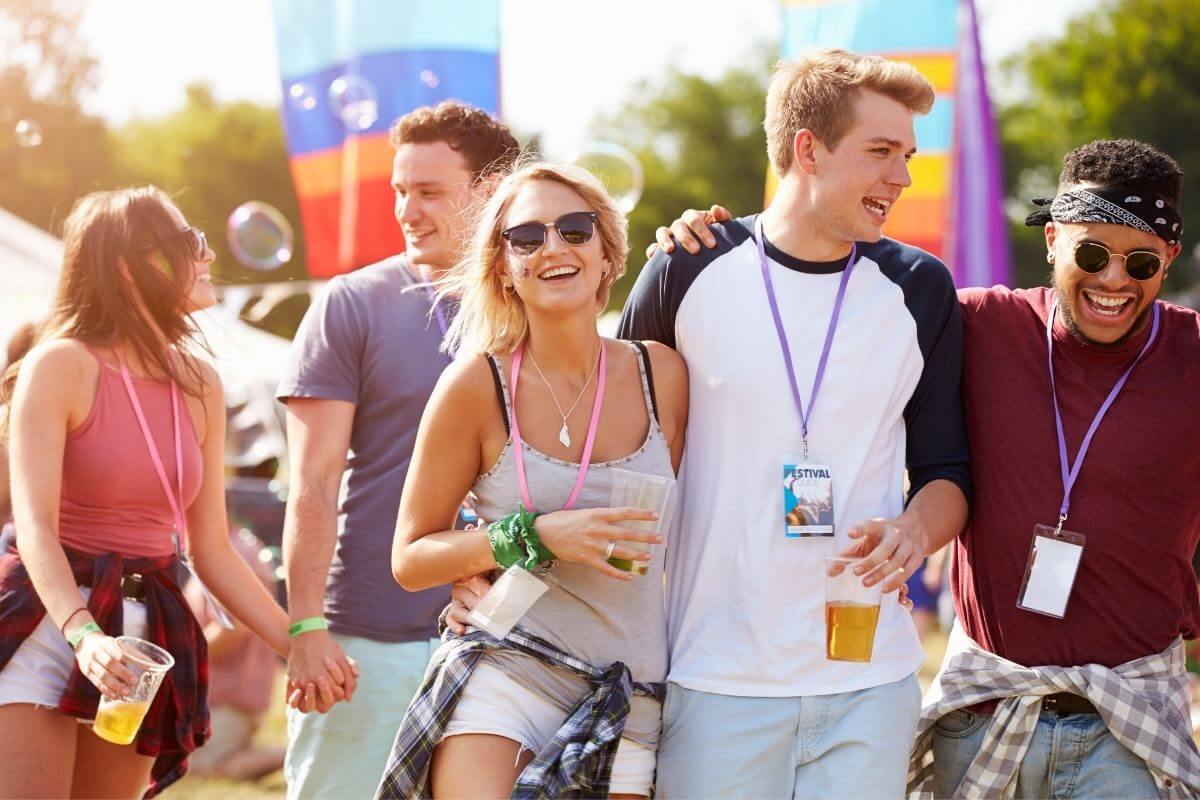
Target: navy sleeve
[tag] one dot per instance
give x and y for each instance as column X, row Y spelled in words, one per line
column 936, row 430
column 660, row 288
column 933, row 418
column 648, row 313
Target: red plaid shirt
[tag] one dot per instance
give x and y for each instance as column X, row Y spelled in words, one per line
column 177, row 722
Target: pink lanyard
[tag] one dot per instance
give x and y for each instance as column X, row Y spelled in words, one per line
column 587, row 445
column 176, row 504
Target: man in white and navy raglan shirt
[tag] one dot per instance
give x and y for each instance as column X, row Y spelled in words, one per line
column 754, row 708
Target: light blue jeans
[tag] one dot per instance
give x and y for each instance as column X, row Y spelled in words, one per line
column 849, row 745
column 1069, row 756
column 342, row 754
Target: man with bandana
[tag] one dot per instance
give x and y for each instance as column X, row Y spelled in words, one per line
column 1081, row 418
column 1064, row 674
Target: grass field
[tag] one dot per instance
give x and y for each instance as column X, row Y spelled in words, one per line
column 273, row 787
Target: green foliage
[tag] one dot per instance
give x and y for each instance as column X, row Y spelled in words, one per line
column 213, row 157
column 699, row 141
column 44, row 69
column 1129, row 68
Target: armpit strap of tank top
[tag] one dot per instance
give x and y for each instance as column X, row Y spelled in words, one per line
column 176, row 504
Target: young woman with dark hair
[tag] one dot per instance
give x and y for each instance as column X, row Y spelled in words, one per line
column 116, row 429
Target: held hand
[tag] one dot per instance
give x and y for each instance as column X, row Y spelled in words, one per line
column 464, row 596
column 889, row 553
column 690, row 230
column 583, row 536
column 319, row 673
column 319, row 697
column 99, row 659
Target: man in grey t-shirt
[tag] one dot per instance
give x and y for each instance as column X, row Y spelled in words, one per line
column 362, row 367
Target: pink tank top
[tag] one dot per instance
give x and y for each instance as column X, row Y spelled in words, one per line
column 112, row 499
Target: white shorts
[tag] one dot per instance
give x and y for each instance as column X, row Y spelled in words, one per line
column 38, row 672
column 494, row 703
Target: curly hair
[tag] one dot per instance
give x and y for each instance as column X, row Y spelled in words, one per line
column 488, row 146
column 1126, row 163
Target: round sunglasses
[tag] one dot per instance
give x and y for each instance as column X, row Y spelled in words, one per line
column 197, row 242
column 574, row 229
column 1141, row 265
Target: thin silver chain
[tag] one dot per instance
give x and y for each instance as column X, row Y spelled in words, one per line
column 554, row 397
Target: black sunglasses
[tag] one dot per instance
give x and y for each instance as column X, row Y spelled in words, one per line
column 575, row 229
column 1141, row 265
column 197, row 241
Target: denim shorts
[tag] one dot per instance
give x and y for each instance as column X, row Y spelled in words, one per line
column 38, row 672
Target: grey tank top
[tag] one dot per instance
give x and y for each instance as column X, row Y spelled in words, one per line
column 586, row 613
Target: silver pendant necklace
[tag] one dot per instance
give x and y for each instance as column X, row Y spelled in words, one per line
column 564, row 435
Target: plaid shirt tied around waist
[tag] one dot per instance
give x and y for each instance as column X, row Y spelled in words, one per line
column 177, row 722
column 576, row 763
column 1143, row 702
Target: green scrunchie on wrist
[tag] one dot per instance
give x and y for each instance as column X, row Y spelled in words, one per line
column 514, row 541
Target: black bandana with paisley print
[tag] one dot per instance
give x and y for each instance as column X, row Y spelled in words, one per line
column 1114, row 206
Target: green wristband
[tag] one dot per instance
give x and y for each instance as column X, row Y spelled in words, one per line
column 88, row 627
column 514, row 541
column 308, row 624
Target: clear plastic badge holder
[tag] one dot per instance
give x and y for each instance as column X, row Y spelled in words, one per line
column 509, row 599
column 1050, row 572
column 222, row 616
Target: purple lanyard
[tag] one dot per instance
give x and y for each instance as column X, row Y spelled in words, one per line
column 1071, row 473
column 783, row 341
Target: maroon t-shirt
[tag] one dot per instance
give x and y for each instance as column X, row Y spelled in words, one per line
column 1137, row 498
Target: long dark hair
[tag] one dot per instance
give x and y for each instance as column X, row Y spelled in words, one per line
column 96, row 304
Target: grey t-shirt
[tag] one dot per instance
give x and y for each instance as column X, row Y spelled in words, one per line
column 368, row 339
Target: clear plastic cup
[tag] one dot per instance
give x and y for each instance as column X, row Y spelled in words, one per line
column 639, row 490
column 851, row 611
column 510, row 597
column 118, row 721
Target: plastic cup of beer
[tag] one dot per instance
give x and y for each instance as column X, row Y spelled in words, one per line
column 119, row 720
column 639, row 490
column 851, row 611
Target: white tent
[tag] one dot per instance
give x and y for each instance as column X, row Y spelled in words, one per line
column 249, row 360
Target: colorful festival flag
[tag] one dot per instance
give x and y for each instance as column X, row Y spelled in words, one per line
column 954, row 208
column 349, row 69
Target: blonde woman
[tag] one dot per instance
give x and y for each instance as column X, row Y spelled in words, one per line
column 535, row 419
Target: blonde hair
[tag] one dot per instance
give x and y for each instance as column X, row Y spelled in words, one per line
column 817, row 91
column 491, row 320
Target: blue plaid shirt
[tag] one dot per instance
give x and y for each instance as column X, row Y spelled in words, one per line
column 576, row 763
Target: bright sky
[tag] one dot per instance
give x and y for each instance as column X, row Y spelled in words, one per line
column 150, row 49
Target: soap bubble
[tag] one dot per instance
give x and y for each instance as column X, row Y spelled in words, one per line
column 259, row 236
column 616, row 167
column 302, row 96
column 28, row 132
column 430, row 78
column 355, row 101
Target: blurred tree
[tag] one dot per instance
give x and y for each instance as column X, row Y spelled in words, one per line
column 699, row 141
column 213, row 157
column 1128, row 68
column 44, row 74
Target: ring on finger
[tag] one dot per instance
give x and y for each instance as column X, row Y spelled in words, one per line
column 609, row 551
